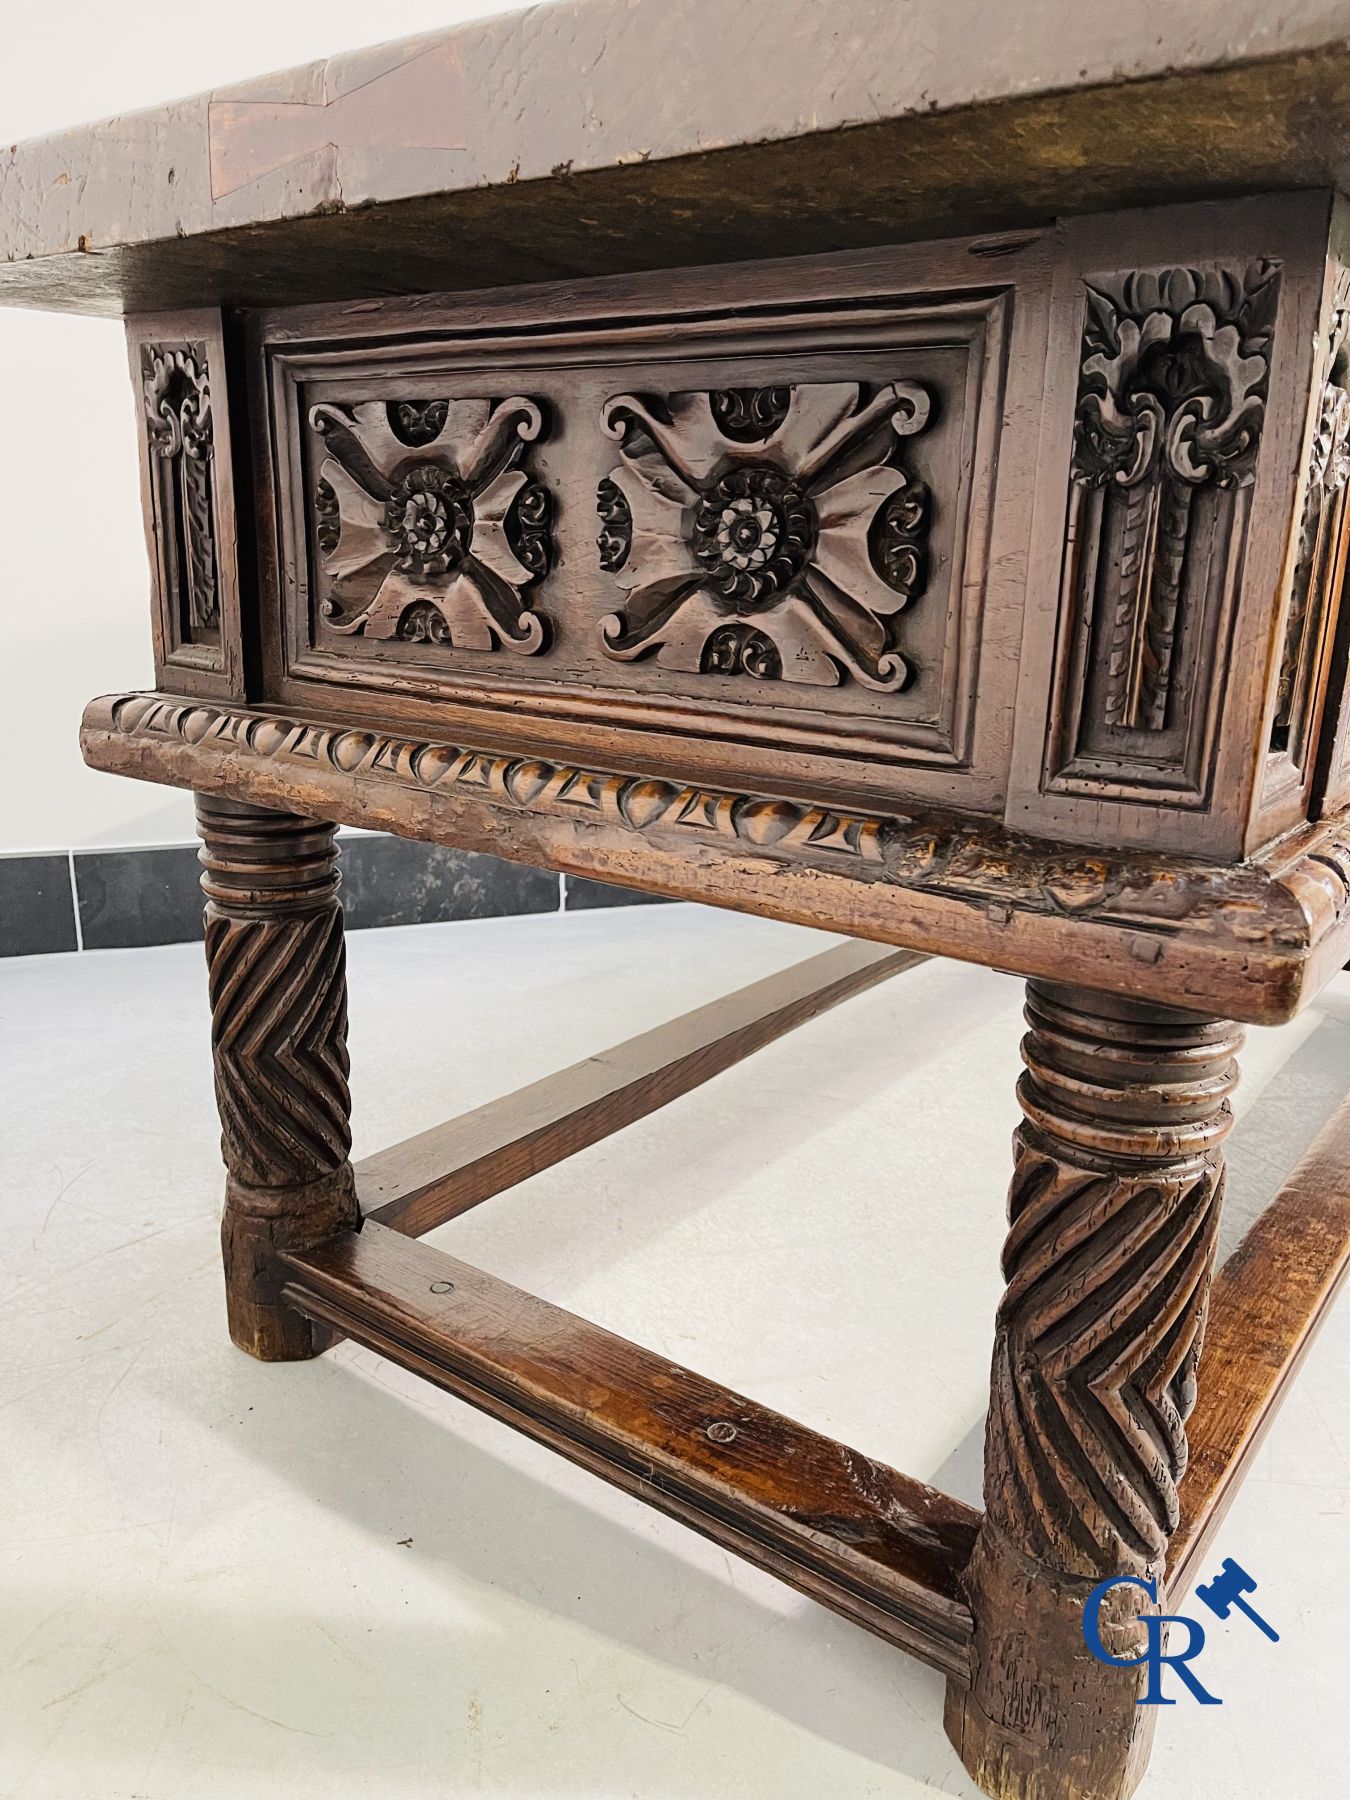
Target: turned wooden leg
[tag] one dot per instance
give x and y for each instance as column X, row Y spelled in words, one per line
column 1114, row 1212
column 277, row 971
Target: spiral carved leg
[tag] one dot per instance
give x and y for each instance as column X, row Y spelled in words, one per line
column 1114, row 1214
column 277, row 975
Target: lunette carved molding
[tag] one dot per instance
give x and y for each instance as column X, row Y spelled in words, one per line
column 1173, row 377
column 176, row 391
column 1321, row 539
column 765, row 532
column 428, row 529
column 1113, row 1222
column 1287, row 905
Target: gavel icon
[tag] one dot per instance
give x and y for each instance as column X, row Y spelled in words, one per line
column 1225, row 1592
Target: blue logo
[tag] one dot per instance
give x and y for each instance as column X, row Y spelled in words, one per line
column 1221, row 1594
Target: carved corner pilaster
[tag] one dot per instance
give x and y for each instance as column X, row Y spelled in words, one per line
column 187, row 484
column 1173, row 382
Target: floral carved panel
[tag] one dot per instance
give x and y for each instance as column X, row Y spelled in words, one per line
column 1173, row 375
column 770, row 534
column 428, row 526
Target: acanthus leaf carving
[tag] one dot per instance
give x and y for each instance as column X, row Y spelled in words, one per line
column 176, row 391
column 1172, row 394
column 428, row 529
column 1174, row 368
column 765, row 532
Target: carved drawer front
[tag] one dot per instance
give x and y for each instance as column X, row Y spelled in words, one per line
column 766, row 535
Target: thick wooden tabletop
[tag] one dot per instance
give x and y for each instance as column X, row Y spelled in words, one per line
column 609, row 135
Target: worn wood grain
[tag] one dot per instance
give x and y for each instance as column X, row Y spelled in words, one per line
column 1113, row 1220
column 277, row 972
column 447, row 160
column 1256, row 939
column 1267, row 1305
column 885, row 1551
column 420, row 1183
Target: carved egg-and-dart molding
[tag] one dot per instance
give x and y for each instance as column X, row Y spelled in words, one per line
column 427, row 527
column 765, row 532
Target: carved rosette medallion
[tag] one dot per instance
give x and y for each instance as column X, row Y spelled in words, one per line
column 765, row 532
column 427, row 527
column 176, row 392
column 1171, row 401
column 1321, row 536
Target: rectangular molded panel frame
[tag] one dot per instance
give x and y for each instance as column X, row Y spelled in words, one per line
column 990, row 295
column 206, row 664
column 1201, row 792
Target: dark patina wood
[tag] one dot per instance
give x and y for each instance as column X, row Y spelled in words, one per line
column 1114, row 1218
column 278, row 981
column 1260, row 937
column 883, row 1549
column 979, row 596
column 1266, row 1307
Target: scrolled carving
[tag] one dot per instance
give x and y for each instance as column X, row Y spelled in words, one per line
column 774, row 519
column 529, row 529
column 1173, row 376
column 327, row 521
column 1172, row 394
column 733, row 648
column 615, row 538
column 176, row 391
column 421, row 508
column 1114, row 1214
column 748, row 415
column 417, row 422
column 1174, row 373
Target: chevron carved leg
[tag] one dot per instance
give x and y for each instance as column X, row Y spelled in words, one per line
column 1114, row 1212
column 277, row 971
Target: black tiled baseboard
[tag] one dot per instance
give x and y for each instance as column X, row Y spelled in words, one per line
column 37, row 907
column 395, row 881
column 582, row 895
column 131, row 898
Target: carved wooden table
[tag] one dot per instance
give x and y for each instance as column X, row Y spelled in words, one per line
column 509, row 485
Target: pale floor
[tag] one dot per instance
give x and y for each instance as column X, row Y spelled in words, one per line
column 225, row 1581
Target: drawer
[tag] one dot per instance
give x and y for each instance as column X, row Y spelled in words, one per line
column 739, row 525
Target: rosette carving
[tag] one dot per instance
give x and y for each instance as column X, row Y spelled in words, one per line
column 427, row 527
column 765, row 532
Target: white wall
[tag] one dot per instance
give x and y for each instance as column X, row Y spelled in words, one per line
column 74, row 586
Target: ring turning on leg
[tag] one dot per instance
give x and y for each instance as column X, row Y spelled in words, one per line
column 1114, row 1214
column 277, row 973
